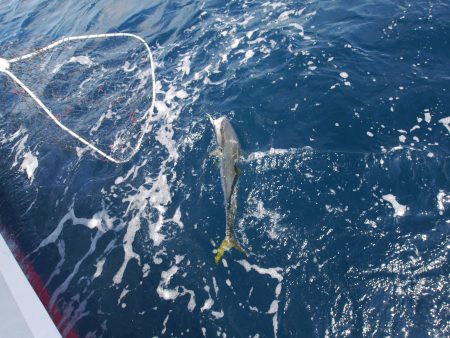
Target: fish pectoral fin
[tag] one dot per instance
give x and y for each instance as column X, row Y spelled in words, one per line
column 210, row 119
column 226, row 245
column 237, row 170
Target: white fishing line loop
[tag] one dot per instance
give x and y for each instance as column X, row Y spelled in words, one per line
column 5, row 66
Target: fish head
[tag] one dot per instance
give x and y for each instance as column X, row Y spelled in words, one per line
column 224, row 131
column 217, row 123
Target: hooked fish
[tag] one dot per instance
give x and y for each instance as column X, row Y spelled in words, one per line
column 228, row 151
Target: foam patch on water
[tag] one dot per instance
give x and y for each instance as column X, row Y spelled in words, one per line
column 131, row 174
column 209, row 302
column 99, row 268
column 165, row 292
column 65, row 284
column 399, row 209
column 446, row 123
column 19, row 148
column 258, row 155
column 101, row 220
column 274, row 309
column 185, row 67
column 154, row 195
column 82, row 60
column 123, row 294
column 442, row 200
column 248, row 55
column 29, row 165
column 133, row 226
column 272, row 272
column 218, row 314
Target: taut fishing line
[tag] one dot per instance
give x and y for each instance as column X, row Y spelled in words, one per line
column 98, row 89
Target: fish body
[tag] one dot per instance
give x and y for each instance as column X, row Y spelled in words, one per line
column 228, row 151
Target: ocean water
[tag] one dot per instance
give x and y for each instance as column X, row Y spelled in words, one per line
column 343, row 112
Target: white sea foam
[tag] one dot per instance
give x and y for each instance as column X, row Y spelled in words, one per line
column 154, row 194
column 65, row 284
column 145, row 270
column 108, row 115
column 124, row 292
column 133, row 172
column 217, row 314
column 163, row 331
column 216, row 288
column 209, row 302
column 446, row 122
column 19, row 149
column 285, row 15
column 99, row 218
column 165, row 292
column 235, row 43
column 272, row 272
column 101, row 221
column 128, row 68
column 248, row 55
column 273, row 307
column 272, row 151
column 373, row 224
column 299, row 27
column 99, row 268
column 442, row 200
column 398, row 208
column 186, row 65
column 133, row 226
column 29, row 165
column 82, row 60
column 162, row 290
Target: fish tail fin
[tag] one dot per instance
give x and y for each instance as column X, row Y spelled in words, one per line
column 238, row 246
column 226, row 245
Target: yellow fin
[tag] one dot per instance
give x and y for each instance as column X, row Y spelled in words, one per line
column 238, row 172
column 238, row 246
column 226, row 245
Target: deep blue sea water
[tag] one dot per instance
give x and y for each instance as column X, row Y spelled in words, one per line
column 344, row 195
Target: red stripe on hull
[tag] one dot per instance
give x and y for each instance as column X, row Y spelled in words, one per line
column 38, row 285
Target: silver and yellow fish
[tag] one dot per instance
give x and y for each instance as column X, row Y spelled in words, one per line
column 228, row 151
